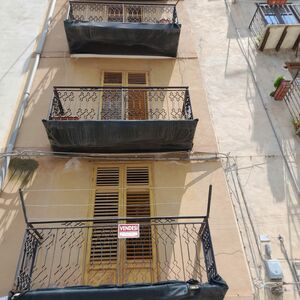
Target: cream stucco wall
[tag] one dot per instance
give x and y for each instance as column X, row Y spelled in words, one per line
column 60, row 189
column 87, row 72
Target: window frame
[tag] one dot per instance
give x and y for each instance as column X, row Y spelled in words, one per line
column 124, row 83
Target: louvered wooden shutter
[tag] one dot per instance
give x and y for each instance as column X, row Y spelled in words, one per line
column 138, row 205
column 112, row 78
column 137, row 78
column 104, row 243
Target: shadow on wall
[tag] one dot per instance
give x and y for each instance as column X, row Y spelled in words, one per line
column 56, row 42
column 30, row 174
column 21, row 174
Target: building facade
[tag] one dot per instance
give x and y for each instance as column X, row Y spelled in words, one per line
column 117, row 131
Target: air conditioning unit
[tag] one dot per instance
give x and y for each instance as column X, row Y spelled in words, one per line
column 274, row 270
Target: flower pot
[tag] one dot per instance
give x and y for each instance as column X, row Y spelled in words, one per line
column 282, row 90
column 276, row 2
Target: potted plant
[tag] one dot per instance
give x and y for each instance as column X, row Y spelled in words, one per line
column 281, row 88
column 296, row 123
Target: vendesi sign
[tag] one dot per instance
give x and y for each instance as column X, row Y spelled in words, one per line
column 128, row 231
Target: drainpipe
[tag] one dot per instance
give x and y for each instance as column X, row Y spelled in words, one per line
column 26, row 95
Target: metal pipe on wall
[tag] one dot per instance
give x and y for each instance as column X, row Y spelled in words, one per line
column 26, row 94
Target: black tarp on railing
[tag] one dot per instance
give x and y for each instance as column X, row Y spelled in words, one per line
column 122, row 28
column 122, row 39
column 215, row 290
column 121, row 136
column 121, row 119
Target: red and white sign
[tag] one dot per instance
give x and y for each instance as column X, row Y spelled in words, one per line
column 128, row 231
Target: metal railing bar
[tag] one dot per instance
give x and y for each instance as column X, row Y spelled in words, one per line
column 80, row 11
column 104, row 225
column 120, row 87
column 121, row 3
column 118, row 219
column 57, row 258
column 112, row 120
column 292, row 99
column 261, row 13
column 118, row 103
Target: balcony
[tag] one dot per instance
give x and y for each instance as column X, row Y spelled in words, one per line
column 122, row 28
column 120, row 119
column 276, row 26
column 292, row 100
column 173, row 257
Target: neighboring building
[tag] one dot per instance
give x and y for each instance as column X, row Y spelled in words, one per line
column 117, row 130
column 20, row 26
column 243, row 47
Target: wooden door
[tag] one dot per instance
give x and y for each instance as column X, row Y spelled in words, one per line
column 137, row 106
column 121, row 190
column 112, row 96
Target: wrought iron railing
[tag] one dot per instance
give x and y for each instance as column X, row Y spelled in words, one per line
column 272, row 15
column 292, row 100
column 58, row 254
column 129, row 12
column 121, row 103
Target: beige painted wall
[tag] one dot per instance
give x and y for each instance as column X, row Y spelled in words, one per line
column 61, row 189
column 87, row 72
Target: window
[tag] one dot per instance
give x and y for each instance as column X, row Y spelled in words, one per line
column 283, row 14
column 120, row 191
column 128, row 104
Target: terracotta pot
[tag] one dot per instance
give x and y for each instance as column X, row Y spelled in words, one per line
column 276, row 2
column 282, row 90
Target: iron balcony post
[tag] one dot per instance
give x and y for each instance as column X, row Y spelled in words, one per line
column 209, row 201
column 174, row 15
column 187, row 105
column 26, row 263
column 209, row 256
column 23, row 206
column 70, row 12
column 123, row 103
column 123, row 8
